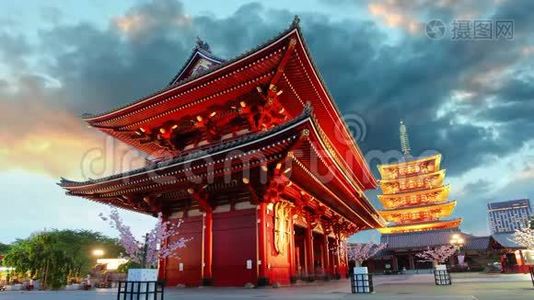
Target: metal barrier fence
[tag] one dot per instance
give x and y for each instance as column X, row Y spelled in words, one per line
column 140, row 290
column 361, row 283
column 442, row 277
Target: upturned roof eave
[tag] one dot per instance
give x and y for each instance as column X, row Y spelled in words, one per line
column 435, row 205
column 212, row 150
column 452, row 222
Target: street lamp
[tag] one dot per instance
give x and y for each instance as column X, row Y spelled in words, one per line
column 98, row 252
column 457, row 241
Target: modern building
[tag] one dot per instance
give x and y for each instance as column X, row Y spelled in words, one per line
column 507, row 216
column 252, row 154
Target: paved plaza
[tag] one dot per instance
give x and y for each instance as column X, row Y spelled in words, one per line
column 465, row 286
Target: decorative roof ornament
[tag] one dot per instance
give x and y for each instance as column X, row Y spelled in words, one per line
column 296, row 21
column 200, row 44
column 405, row 142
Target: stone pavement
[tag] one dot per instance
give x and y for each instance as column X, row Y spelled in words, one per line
column 404, row 287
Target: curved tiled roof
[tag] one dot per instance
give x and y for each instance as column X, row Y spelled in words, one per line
column 418, row 240
column 294, row 25
column 421, row 239
column 505, row 239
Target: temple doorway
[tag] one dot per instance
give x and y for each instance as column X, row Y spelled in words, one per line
column 300, row 252
column 318, row 254
column 403, row 262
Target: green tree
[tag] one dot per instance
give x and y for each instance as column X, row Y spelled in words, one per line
column 55, row 256
column 4, row 248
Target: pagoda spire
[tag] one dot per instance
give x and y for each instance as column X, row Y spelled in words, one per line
column 405, row 142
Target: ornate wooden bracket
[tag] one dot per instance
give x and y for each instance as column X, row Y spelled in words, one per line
column 131, row 201
column 311, row 218
column 207, row 125
column 262, row 114
column 327, row 226
column 270, row 112
column 153, row 203
column 270, row 192
column 201, row 196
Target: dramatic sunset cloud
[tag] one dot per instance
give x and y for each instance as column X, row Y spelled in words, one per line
column 393, row 17
column 41, row 136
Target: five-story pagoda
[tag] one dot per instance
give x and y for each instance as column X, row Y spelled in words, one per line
column 415, row 197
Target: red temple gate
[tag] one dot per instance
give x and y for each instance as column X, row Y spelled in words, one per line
column 253, row 155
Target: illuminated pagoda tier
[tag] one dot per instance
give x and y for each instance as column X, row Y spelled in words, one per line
column 253, row 155
column 414, row 195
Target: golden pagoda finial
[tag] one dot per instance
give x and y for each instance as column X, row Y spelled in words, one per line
column 405, row 143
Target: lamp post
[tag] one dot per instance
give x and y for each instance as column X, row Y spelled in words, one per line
column 457, row 241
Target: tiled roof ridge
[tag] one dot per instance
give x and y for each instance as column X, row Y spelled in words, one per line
column 194, row 51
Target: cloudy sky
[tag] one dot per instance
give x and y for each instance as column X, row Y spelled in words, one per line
column 471, row 100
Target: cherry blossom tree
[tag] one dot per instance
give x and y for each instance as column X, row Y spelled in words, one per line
column 437, row 255
column 362, row 252
column 160, row 242
column 524, row 237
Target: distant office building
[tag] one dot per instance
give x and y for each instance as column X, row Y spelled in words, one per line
column 508, row 216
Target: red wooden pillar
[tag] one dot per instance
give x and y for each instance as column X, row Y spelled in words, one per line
column 292, row 258
column 310, row 263
column 263, row 277
column 337, row 260
column 207, row 247
column 326, row 256
column 201, row 196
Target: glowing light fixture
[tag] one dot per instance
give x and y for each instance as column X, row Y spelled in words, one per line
column 98, row 252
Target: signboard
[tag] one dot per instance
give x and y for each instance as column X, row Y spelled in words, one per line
column 142, row 275
column 361, row 280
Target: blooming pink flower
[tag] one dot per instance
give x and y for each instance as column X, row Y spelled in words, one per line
column 437, row 254
column 362, row 252
column 160, row 242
